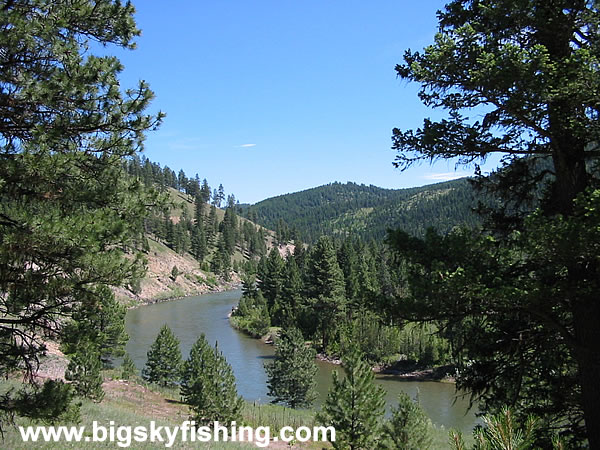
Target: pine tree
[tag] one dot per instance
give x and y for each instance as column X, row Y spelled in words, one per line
column 164, row 359
column 182, row 181
column 128, row 368
column 220, row 196
column 409, row 428
column 349, row 261
column 205, row 191
column 198, row 209
column 208, row 385
column 529, row 67
column 504, row 432
column 271, row 282
column 230, row 230
column 354, row 405
column 291, row 293
column 199, row 246
column 326, row 286
column 101, row 325
column 51, row 403
column 292, row 374
column 212, row 226
column 84, row 372
column 66, row 125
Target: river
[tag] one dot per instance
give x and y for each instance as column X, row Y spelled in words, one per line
column 188, row 317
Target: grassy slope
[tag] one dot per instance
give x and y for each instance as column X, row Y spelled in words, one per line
column 133, row 403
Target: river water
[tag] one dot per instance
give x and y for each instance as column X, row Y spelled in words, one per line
column 191, row 316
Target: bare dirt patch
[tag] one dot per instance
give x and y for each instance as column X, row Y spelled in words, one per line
column 139, row 398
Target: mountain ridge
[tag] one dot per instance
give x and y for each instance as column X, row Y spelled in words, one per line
column 343, row 208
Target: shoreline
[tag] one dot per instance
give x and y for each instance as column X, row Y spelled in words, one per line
column 437, row 374
column 229, row 286
column 414, row 373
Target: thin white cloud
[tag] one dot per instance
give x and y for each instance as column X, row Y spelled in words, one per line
column 445, row 176
column 247, row 145
column 186, row 144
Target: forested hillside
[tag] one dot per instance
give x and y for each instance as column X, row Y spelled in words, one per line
column 193, row 239
column 366, row 211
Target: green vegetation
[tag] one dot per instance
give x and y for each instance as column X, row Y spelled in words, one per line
column 504, row 432
column 518, row 300
column 163, row 366
column 191, row 225
column 84, row 373
column 136, row 405
column 252, row 313
column 208, row 385
column 128, row 369
column 337, row 297
column 354, row 405
column 509, row 297
column 366, row 211
column 408, row 428
column 68, row 213
column 292, row 374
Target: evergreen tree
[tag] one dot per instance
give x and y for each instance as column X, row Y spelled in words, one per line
column 354, row 405
column 291, row 295
column 326, row 285
column 409, row 428
column 212, row 225
column 84, row 372
column 67, row 209
column 230, row 230
column 182, row 181
column 128, row 368
column 169, row 229
column 249, row 289
column 194, row 186
column 271, row 282
column 221, row 260
column 148, row 176
column 51, row 403
column 292, row 374
column 198, row 210
column 208, row 385
column 231, row 202
column 529, row 66
column 205, row 191
column 101, row 325
column 199, row 246
column 215, row 198
column 503, row 432
column 220, row 196
column 349, row 261
column 164, row 359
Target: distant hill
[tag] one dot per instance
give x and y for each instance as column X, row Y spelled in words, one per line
column 367, row 211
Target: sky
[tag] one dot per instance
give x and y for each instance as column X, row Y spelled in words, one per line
column 269, row 97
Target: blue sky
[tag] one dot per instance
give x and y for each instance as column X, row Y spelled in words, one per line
column 269, row 97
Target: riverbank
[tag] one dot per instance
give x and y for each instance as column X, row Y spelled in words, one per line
column 171, row 276
column 247, row 356
column 220, row 286
column 402, row 369
column 405, row 370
